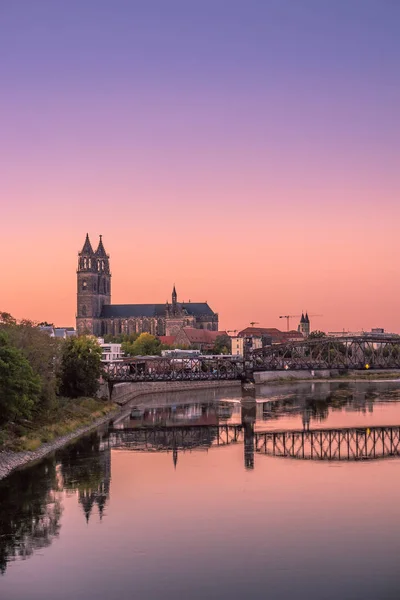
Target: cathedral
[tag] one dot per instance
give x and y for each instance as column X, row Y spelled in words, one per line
column 97, row 316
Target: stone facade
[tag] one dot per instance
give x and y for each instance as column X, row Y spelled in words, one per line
column 96, row 315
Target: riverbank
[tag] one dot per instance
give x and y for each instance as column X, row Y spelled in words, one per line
column 12, row 460
column 132, row 393
column 325, row 375
column 124, row 394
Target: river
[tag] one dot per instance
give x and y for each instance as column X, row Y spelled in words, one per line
column 160, row 506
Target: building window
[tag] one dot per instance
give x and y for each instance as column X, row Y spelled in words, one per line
column 84, row 310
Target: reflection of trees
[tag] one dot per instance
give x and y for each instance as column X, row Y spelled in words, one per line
column 30, row 511
column 30, row 499
column 86, row 469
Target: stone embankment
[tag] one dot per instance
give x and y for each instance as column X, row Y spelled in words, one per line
column 122, row 394
column 11, row 460
column 126, row 392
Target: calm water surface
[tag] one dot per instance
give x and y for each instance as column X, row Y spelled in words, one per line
column 131, row 512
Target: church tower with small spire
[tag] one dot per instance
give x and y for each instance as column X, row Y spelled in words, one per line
column 304, row 325
column 93, row 287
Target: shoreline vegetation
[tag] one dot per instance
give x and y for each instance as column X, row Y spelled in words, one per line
column 48, row 386
column 71, row 415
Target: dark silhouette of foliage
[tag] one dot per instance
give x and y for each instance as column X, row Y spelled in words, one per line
column 80, row 367
column 19, row 385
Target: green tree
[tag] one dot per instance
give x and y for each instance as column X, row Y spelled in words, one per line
column 222, row 344
column 316, row 335
column 145, row 344
column 43, row 354
column 19, row 385
column 80, row 367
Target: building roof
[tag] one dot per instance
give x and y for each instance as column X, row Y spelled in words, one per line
column 276, row 335
column 201, row 336
column 168, row 340
column 125, row 311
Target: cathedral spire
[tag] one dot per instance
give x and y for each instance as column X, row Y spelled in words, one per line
column 87, row 246
column 174, row 295
column 100, row 252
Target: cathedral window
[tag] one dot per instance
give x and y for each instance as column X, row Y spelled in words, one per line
column 84, row 311
column 84, row 285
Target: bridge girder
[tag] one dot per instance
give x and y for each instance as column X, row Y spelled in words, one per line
column 330, row 353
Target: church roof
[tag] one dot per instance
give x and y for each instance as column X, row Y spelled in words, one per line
column 125, row 311
column 101, row 250
column 87, row 246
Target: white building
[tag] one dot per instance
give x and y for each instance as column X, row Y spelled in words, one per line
column 110, row 352
column 58, row 332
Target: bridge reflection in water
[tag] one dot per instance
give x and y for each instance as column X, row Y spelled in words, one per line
column 331, row 444
column 345, row 444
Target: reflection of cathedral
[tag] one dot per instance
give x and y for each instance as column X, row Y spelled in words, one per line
column 96, row 314
column 98, row 494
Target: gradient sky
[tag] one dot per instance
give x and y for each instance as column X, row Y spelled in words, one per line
column 246, row 150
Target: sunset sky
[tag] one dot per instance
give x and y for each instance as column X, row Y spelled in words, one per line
column 247, row 151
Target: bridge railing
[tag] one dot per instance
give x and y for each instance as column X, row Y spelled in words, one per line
column 173, row 369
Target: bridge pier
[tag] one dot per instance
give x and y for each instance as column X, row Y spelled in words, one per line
column 249, row 407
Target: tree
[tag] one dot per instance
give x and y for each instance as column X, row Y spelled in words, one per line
column 145, row 344
column 222, row 344
column 80, row 367
column 316, row 335
column 19, row 385
column 42, row 353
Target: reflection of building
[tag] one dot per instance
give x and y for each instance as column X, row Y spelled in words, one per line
column 96, row 314
column 98, row 494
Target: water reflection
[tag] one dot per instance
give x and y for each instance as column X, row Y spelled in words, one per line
column 32, row 500
column 30, row 511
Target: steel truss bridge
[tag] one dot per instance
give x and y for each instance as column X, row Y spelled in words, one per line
column 316, row 354
column 345, row 444
column 161, row 368
column 330, row 353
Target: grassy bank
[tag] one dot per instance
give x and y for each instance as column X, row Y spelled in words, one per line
column 66, row 418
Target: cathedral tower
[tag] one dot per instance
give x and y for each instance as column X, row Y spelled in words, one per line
column 93, row 287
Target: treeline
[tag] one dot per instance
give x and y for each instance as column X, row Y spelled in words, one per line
column 145, row 344
column 38, row 372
